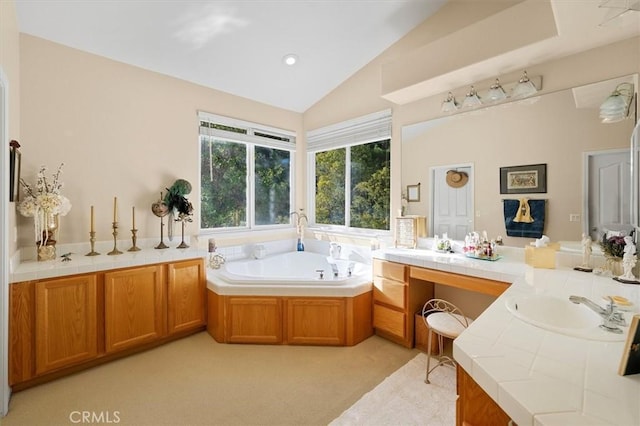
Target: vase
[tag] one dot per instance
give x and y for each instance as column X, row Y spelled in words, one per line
column 46, row 246
column 614, row 265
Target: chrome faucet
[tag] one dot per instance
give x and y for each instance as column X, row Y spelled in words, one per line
column 334, row 269
column 611, row 317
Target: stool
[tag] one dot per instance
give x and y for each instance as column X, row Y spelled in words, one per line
column 445, row 320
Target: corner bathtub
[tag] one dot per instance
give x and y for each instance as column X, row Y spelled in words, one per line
column 290, row 274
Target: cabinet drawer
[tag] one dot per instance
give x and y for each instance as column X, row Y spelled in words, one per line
column 394, row 271
column 390, row 292
column 389, row 320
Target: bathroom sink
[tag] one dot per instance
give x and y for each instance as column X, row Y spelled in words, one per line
column 560, row 316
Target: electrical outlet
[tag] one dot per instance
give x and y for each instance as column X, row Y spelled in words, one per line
column 477, row 213
column 573, row 217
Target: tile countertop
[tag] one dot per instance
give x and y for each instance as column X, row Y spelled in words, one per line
column 32, row 270
column 539, row 377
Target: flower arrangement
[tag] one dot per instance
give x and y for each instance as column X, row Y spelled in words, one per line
column 43, row 201
column 613, row 246
column 176, row 200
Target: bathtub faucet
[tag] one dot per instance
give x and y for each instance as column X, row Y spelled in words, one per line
column 299, row 217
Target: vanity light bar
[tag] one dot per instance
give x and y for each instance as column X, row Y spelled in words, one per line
column 497, row 93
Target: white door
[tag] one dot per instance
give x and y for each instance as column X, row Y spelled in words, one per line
column 452, row 208
column 609, row 176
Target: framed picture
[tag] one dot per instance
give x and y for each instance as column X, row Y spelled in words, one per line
column 523, row 179
column 413, row 192
column 15, row 162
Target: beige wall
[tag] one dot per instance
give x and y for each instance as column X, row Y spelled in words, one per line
column 126, row 132
column 121, row 131
column 10, row 65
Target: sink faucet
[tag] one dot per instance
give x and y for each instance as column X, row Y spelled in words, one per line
column 611, row 317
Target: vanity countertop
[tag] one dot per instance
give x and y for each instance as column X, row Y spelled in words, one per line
column 539, row 377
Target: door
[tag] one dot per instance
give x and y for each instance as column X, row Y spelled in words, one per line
column 66, row 322
column 609, row 204
column 5, row 391
column 452, row 207
column 134, row 307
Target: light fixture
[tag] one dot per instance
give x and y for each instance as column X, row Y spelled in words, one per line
column 472, row 99
column 496, row 92
column 618, row 9
column 450, row 104
column 524, row 88
column 616, row 107
column 290, row 59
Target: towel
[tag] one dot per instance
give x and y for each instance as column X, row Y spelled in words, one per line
column 524, row 229
column 524, row 212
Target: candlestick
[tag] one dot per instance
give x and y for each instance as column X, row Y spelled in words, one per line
column 115, row 240
column 134, row 238
column 92, row 240
column 133, row 215
column 115, row 209
column 92, row 221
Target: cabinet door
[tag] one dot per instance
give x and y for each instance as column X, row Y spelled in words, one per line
column 186, row 295
column 134, row 307
column 315, row 321
column 66, row 322
column 253, row 320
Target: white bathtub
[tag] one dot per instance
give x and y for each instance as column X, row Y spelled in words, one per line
column 291, row 274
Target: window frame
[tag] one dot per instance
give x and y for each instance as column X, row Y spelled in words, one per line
column 252, row 138
column 363, row 130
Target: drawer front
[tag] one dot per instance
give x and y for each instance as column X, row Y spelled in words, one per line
column 389, row 320
column 394, row 271
column 390, row 292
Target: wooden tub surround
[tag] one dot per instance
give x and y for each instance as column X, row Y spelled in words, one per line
column 290, row 320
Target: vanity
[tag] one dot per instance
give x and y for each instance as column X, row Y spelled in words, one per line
column 67, row 316
column 511, row 370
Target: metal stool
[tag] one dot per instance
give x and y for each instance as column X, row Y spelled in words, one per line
column 446, row 320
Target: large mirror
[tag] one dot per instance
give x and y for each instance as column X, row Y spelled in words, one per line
column 586, row 162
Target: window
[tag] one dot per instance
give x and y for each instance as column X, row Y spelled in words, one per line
column 350, row 166
column 245, row 174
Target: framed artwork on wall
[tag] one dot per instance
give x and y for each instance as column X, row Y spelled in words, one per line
column 15, row 162
column 413, row 192
column 523, row 179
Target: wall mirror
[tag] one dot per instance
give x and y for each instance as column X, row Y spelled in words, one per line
column 558, row 129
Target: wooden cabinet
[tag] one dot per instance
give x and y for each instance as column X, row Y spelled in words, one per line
column 315, row 321
column 186, row 304
column 395, row 301
column 61, row 325
column 289, row 320
column 134, row 307
column 253, row 320
column 474, row 407
column 66, row 318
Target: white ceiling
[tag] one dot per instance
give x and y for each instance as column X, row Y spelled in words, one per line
column 233, row 46
column 238, row 46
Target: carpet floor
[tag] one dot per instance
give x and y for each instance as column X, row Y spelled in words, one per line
column 197, row 381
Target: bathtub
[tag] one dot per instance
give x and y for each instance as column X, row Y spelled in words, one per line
column 291, row 274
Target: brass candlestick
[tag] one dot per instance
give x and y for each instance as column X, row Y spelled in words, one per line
column 162, row 245
column 133, row 240
column 183, row 244
column 92, row 240
column 115, row 240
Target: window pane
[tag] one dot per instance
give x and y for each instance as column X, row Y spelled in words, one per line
column 370, row 182
column 272, row 186
column 330, row 181
column 223, row 180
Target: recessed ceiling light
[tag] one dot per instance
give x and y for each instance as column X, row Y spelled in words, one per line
column 290, row 59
